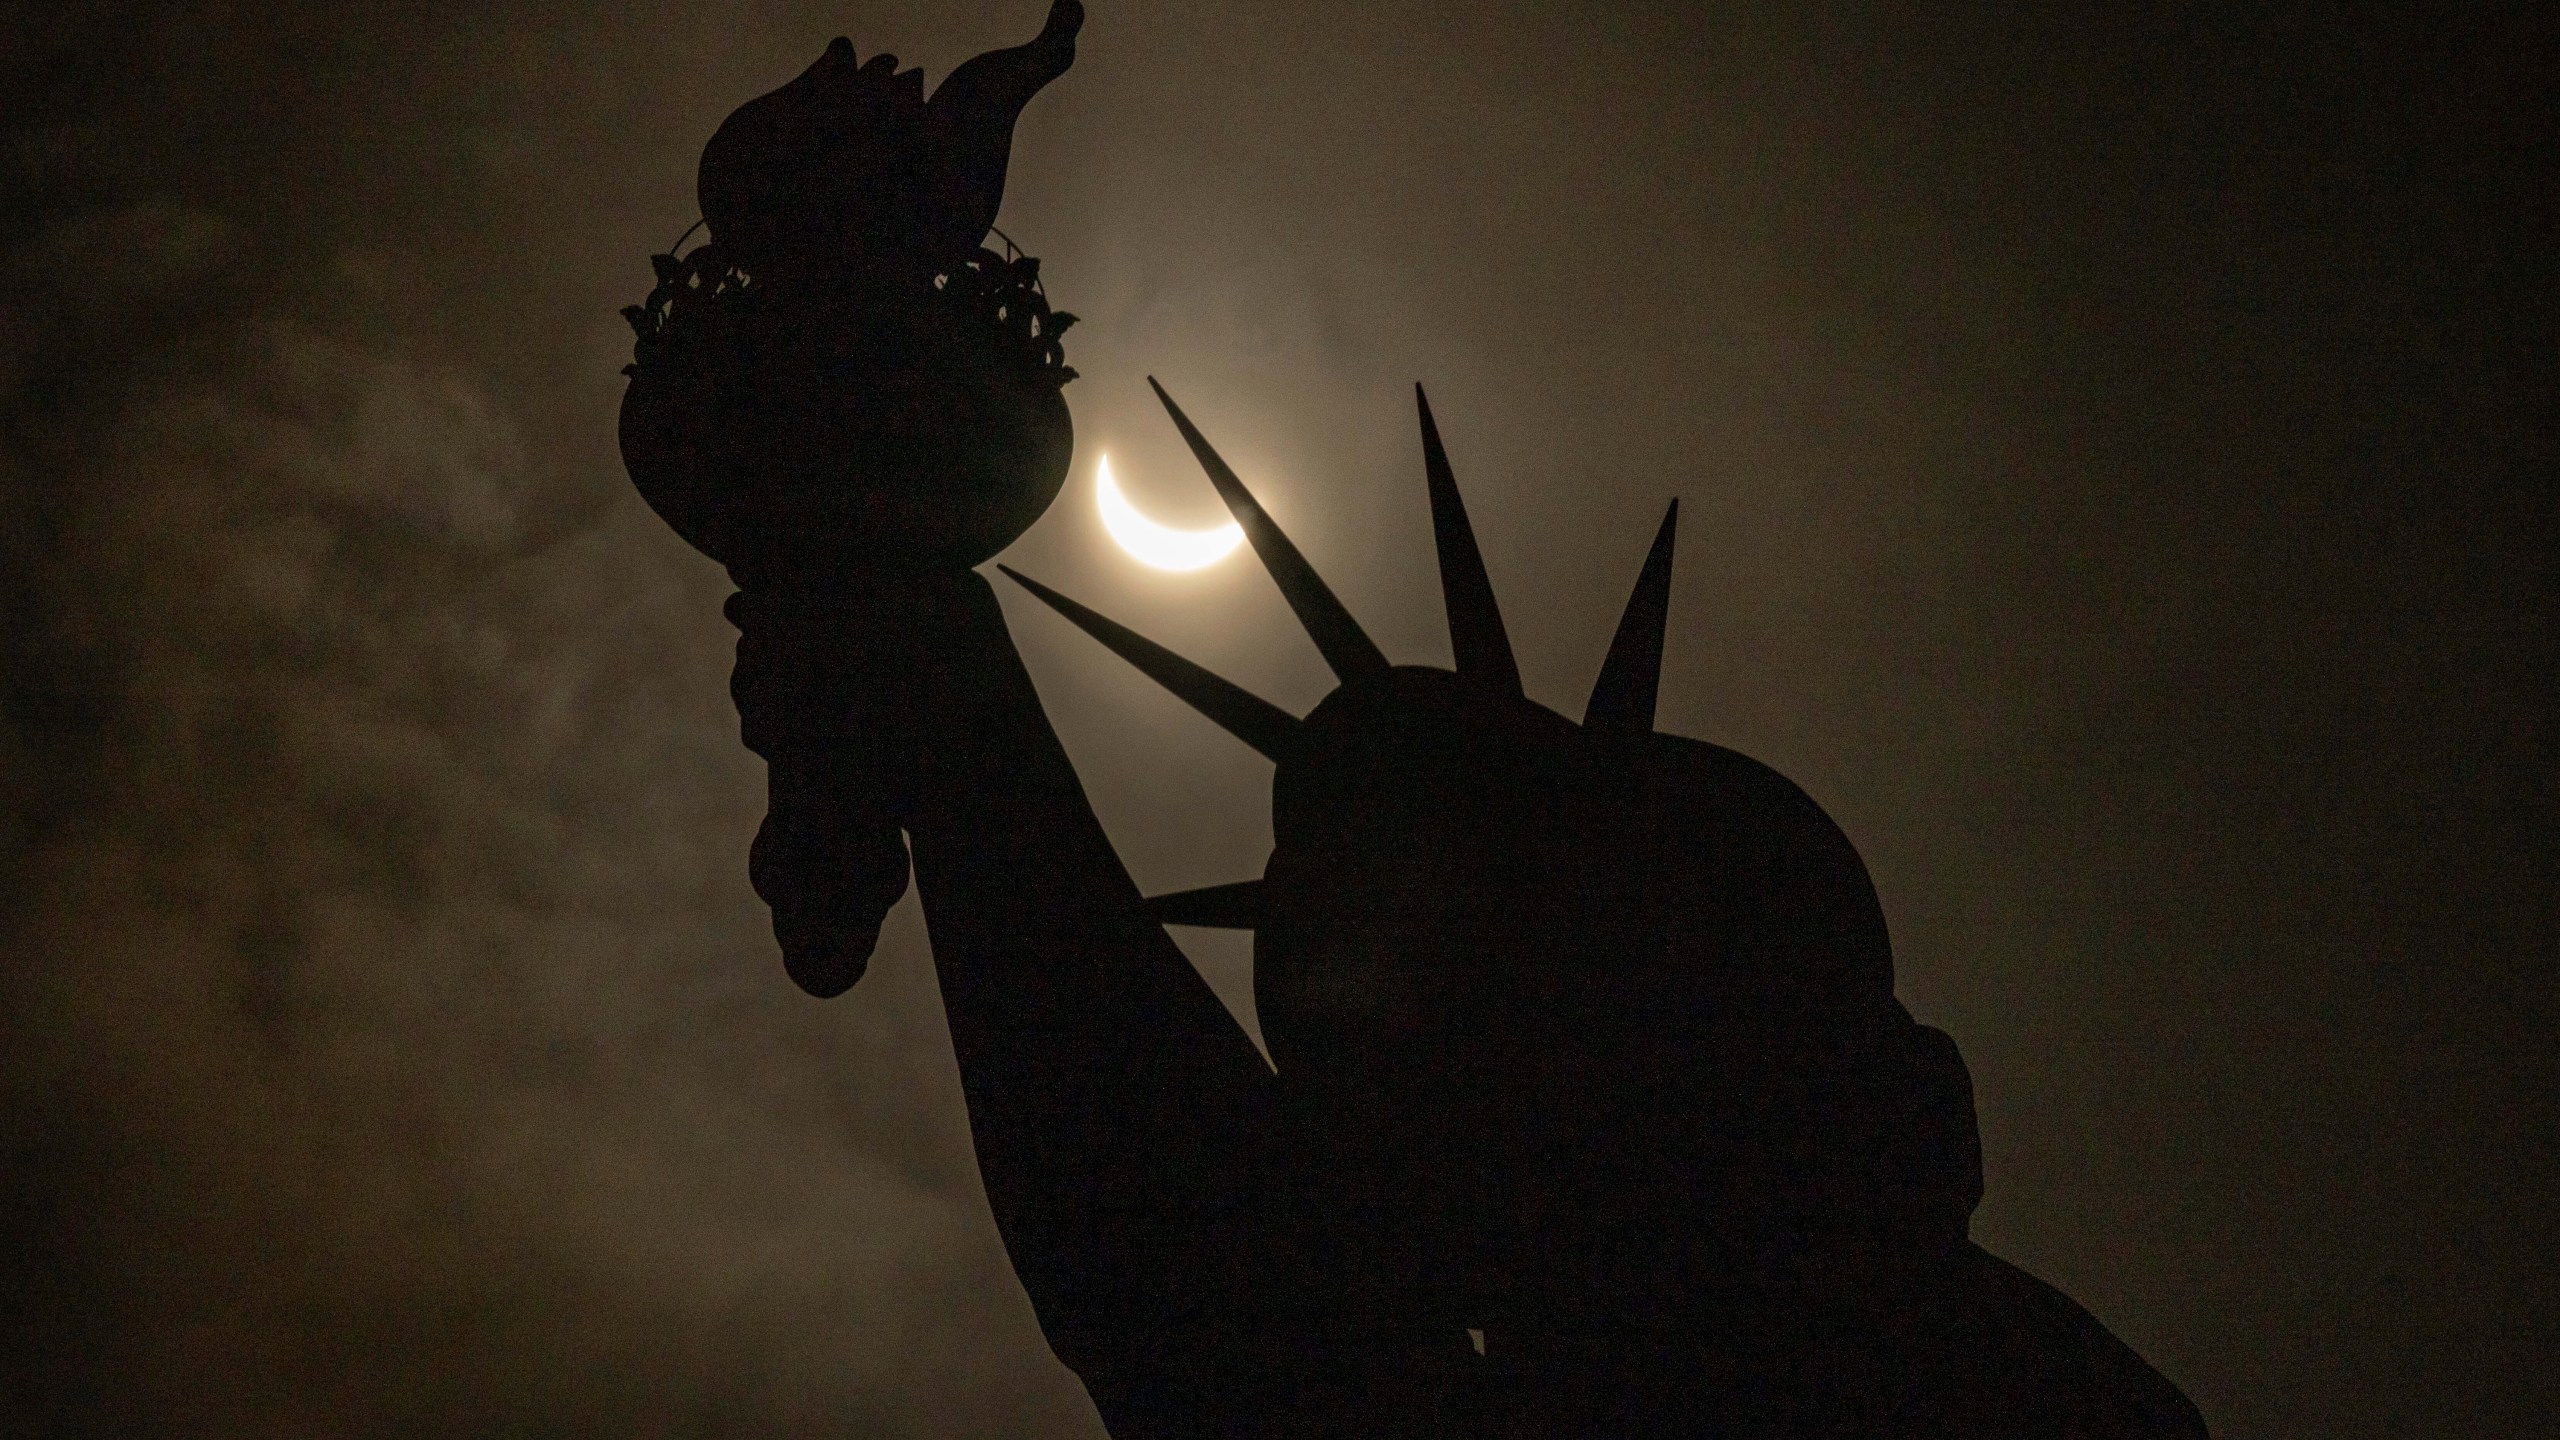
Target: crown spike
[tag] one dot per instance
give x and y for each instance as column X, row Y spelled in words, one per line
column 1631, row 678
column 1483, row 648
column 1241, row 713
column 1345, row 646
column 1217, row 907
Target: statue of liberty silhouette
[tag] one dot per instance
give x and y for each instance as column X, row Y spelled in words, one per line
column 1590, row 1111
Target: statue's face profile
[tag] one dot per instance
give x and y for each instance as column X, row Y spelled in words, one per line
column 1519, row 977
column 1414, row 969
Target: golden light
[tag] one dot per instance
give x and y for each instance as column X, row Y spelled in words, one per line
column 1159, row 545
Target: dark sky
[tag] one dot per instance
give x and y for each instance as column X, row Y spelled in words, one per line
column 2116, row 455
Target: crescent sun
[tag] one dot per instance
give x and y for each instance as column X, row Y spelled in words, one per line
column 1161, row 546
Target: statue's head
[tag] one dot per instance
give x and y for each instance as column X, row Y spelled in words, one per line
column 1562, row 1010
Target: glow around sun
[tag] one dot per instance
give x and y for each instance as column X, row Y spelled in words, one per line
column 1159, row 545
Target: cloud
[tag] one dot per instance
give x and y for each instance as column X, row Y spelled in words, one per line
column 392, row 1043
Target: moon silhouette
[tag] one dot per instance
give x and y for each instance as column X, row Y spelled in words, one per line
column 1161, row 546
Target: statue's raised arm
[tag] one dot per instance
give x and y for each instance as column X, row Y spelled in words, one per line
column 849, row 403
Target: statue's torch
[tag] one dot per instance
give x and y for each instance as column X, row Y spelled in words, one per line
column 846, row 400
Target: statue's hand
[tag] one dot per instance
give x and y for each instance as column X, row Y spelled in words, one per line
column 828, row 694
column 829, row 864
